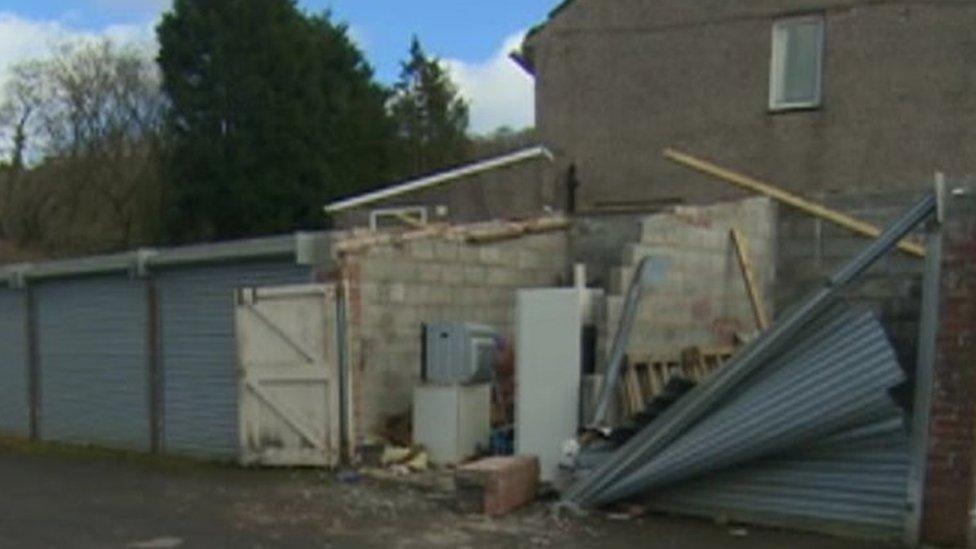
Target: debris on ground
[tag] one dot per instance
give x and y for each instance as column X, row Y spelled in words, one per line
column 497, row 485
column 348, row 476
column 404, row 460
column 158, row 543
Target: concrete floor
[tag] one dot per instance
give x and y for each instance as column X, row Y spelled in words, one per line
column 80, row 499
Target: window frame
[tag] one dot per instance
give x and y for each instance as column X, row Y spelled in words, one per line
column 417, row 213
column 777, row 71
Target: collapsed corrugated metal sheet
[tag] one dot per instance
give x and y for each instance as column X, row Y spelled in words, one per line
column 834, row 379
column 199, row 354
column 93, row 356
column 813, row 375
column 14, row 405
column 854, row 482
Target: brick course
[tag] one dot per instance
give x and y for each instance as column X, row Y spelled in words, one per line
column 497, row 485
column 949, row 489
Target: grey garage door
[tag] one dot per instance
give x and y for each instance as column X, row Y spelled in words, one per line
column 93, row 361
column 199, row 353
column 14, row 411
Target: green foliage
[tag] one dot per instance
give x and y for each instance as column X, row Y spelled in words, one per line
column 431, row 116
column 273, row 113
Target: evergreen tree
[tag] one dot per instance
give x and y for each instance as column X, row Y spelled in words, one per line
column 431, row 116
column 273, row 113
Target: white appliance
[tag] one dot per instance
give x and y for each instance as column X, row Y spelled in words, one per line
column 549, row 356
column 452, row 421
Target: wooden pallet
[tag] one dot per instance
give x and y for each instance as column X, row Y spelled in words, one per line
column 645, row 376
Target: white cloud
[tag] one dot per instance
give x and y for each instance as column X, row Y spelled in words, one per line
column 500, row 92
column 360, row 36
column 128, row 6
column 22, row 39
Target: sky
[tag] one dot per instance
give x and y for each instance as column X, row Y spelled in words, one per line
column 472, row 37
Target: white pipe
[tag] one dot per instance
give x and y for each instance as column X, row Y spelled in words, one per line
column 441, row 178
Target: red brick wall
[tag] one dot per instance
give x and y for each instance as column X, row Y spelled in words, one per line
column 952, row 444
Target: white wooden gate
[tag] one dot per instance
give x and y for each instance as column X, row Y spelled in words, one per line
column 289, row 376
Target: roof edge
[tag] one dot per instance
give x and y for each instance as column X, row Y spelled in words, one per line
column 305, row 248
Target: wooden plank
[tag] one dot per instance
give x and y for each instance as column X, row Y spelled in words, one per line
column 653, row 381
column 748, row 275
column 694, row 362
column 413, row 222
column 633, row 387
column 819, row 210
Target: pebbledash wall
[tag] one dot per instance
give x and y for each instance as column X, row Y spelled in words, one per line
column 394, row 289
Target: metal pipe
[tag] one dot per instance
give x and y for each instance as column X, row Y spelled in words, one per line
column 441, row 178
column 924, row 381
column 650, row 271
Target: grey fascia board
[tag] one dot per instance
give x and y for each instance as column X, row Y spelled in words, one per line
column 85, row 266
column 140, row 262
column 12, row 276
column 255, row 248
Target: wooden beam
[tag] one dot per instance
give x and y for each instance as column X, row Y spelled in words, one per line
column 819, row 210
column 755, row 296
column 413, row 222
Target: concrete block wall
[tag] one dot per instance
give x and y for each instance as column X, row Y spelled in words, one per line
column 948, row 514
column 703, row 299
column 394, row 289
column 809, row 250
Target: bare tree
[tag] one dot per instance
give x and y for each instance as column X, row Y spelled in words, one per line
column 22, row 95
column 85, row 134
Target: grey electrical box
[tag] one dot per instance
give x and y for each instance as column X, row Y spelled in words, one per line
column 459, row 353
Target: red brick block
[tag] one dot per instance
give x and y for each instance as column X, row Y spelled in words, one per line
column 497, row 485
column 952, row 445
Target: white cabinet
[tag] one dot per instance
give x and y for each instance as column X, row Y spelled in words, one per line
column 453, row 422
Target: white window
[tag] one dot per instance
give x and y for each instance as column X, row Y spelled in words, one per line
column 795, row 80
column 410, row 216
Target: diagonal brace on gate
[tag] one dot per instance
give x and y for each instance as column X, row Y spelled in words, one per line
column 279, row 332
column 270, row 402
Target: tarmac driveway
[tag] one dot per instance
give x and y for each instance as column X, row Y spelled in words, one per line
column 79, row 498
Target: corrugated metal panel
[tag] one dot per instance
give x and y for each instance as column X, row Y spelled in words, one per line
column 199, row 355
column 855, row 483
column 702, row 400
column 812, row 439
column 14, row 401
column 834, row 379
column 93, row 361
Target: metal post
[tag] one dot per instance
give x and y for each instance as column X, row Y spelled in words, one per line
column 924, row 377
column 33, row 363
column 650, row 271
column 154, row 367
column 345, row 393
